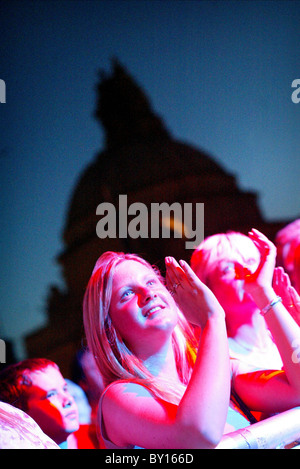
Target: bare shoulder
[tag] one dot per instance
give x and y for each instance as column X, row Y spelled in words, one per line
column 126, row 396
column 132, row 414
column 119, row 388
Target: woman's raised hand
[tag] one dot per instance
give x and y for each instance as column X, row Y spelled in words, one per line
column 193, row 297
column 283, row 288
column 262, row 277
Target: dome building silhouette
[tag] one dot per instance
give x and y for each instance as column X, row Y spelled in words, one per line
column 142, row 160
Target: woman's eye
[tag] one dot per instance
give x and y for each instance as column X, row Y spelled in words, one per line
column 50, row 394
column 126, row 294
column 250, row 263
column 152, row 281
column 227, row 269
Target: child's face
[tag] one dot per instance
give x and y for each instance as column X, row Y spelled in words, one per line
column 51, row 405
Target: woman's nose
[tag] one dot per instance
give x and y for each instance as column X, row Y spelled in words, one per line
column 148, row 295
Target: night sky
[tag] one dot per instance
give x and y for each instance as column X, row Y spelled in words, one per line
column 219, row 74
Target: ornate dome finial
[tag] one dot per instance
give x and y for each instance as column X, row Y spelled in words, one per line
column 124, row 110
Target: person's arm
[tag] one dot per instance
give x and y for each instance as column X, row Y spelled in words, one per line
column 271, row 391
column 205, row 402
column 290, row 297
column 135, row 417
column 204, row 406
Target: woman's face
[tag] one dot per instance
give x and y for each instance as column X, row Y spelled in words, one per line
column 142, row 310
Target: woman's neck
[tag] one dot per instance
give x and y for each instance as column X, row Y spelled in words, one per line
column 162, row 364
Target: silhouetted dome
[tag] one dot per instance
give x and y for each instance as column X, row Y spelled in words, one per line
column 141, row 160
column 139, row 153
column 124, row 110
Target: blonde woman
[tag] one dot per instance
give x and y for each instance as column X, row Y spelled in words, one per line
column 164, row 389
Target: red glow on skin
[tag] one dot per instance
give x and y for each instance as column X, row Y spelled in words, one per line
column 51, row 405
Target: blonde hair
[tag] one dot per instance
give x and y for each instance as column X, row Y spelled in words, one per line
column 113, row 358
column 220, row 246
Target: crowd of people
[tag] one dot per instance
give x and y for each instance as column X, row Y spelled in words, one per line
column 174, row 362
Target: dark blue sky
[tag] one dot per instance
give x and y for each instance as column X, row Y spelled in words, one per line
column 219, row 73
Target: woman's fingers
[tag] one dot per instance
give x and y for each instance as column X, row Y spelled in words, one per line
column 266, row 248
column 190, row 274
column 264, row 272
column 174, row 275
